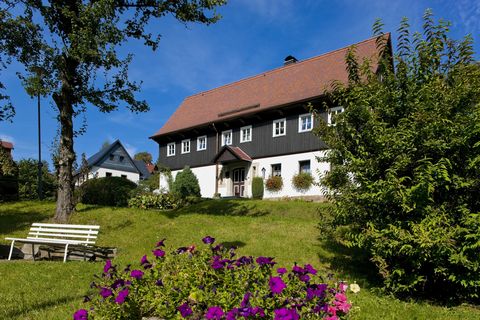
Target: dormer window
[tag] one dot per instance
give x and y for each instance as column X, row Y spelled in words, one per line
column 202, row 143
column 171, row 149
column 332, row 114
column 245, row 134
column 279, row 127
column 305, row 122
column 111, row 157
column 186, row 146
column 121, row 158
column 227, row 138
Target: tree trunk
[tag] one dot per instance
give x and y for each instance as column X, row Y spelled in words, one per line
column 65, row 200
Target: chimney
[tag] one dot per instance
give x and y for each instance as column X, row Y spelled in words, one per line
column 289, row 60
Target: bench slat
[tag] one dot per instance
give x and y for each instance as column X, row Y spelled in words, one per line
column 70, row 231
column 41, row 240
column 65, row 226
column 61, row 240
column 35, row 234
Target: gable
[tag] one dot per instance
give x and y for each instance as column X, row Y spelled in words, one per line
column 117, row 158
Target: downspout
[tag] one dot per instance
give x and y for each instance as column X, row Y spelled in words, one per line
column 216, row 163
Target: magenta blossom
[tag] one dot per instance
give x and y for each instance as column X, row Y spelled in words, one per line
column 137, row 274
column 144, row 260
column 214, row 313
column 105, row 292
column 286, row 314
column 281, row 270
column 276, row 285
column 158, row 253
column 185, row 310
column 308, row 268
column 122, row 295
column 108, row 266
column 161, row 243
column 208, row 240
column 81, row 314
column 265, row 261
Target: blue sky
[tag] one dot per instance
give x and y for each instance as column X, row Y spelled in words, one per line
column 253, row 36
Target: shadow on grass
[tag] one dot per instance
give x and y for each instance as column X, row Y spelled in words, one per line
column 233, row 244
column 222, row 207
column 41, row 306
column 12, row 220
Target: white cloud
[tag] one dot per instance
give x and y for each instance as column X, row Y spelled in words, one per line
column 469, row 13
column 8, row 138
column 271, row 9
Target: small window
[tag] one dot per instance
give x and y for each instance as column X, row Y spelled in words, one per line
column 202, row 143
column 277, row 169
column 121, row 158
column 332, row 113
column 246, row 134
column 279, row 127
column 186, row 146
column 111, row 157
column 108, row 174
column 304, row 166
column 124, row 176
column 305, row 122
column 227, row 138
column 171, row 149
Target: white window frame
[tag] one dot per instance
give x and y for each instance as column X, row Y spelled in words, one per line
column 275, row 122
column 300, row 122
column 223, row 137
column 309, row 166
column 184, row 144
column 333, row 111
column 241, row 134
column 199, row 144
column 274, row 172
column 170, row 154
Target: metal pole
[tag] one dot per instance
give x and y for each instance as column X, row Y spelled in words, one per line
column 39, row 182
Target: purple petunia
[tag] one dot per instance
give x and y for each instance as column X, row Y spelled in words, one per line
column 161, row 243
column 185, row 310
column 265, row 261
column 137, row 274
column 81, row 314
column 298, row 270
column 308, row 268
column 208, row 240
column 214, row 313
column 276, row 285
column 108, row 266
column 304, row 278
column 246, row 300
column 243, row 261
column 286, row 314
column 122, row 295
column 118, row 283
column 158, row 253
column 105, row 292
column 159, row 283
column 281, row 270
column 317, row 290
column 144, row 260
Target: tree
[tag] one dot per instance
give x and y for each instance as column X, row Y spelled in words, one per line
column 8, row 176
column 106, row 144
column 144, row 156
column 405, row 154
column 27, row 180
column 72, row 42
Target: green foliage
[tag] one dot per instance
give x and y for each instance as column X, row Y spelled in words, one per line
column 302, row 181
column 147, row 186
column 28, row 180
column 8, row 177
column 274, row 183
column 405, row 158
column 257, row 188
column 108, row 191
column 186, row 184
column 144, row 156
column 163, row 201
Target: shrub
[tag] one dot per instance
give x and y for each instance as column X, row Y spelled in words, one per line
column 257, row 188
column 274, row 184
column 108, row 191
column 8, row 177
column 155, row 201
column 302, row 181
column 186, row 184
column 28, row 180
column 208, row 283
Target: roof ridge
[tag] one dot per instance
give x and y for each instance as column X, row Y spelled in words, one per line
column 281, row 68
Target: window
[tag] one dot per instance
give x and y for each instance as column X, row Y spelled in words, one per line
column 277, row 169
column 279, row 127
column 305, row 122
column 202, row 143
column 171, row 149
column 122, row 158
column 246, row 134
column 332, row 113
column 227, row 138
column 111, row 157
column 108, row 174
column 304, row 166
column 124, row 176
column 186, row 146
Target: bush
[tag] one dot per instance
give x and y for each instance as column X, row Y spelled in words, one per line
column 257, row 188
column 8, row 177
column 274, row 184
column 28, row 180
column 208, row 283
column 302, row 181
column 155, row 201
column 108, row 191
column 186, row 184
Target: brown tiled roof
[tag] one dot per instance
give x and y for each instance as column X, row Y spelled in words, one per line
column 6, row 144
column 295, row 82
column 235, row 151
column 241, row 154
column 150, row 167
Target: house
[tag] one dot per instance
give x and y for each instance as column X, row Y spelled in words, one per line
column 7, row 146
column 113, row 161
column 258, row 127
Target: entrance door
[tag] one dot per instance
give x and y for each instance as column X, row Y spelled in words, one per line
column 239, row 182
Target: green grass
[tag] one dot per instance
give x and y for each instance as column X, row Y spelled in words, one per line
column 286, row 230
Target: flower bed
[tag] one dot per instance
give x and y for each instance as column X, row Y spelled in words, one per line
column 212, row 283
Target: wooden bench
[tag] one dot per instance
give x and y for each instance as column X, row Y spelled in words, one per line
column 73, row 235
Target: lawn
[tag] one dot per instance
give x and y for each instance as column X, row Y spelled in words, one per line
column 284, row 229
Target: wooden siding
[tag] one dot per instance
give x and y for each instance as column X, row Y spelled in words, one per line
column 116, row 164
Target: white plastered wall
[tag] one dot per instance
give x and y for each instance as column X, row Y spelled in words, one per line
column 102, row 172
column 205, row 176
